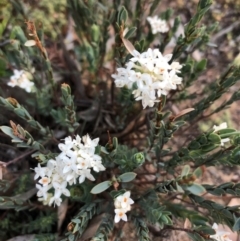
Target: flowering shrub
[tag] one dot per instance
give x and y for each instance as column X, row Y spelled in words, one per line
column 82, row 158
column 152, row 74
column 75, row 161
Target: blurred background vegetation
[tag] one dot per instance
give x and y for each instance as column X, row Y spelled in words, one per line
column 79, row 37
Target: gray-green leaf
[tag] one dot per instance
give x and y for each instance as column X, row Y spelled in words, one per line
column 127, row 177
column 196, row 189
column 101, row 187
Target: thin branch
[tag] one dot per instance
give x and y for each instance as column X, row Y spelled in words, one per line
column 17, row 158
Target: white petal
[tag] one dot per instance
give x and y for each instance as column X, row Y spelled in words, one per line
column 116, row 218
column 30, row 43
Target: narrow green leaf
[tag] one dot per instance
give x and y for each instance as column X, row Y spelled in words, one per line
column 225, row 131
column 130, row 32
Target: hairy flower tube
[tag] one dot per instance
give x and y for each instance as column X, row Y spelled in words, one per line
column 122, row 205
column 157, row 25
column 20, row 79
column 152, row 75
column 76, row 161
column 220, row 235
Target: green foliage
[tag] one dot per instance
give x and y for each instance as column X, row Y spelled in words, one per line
column 66, row 116
column 157, row 153
column 142, row 229
column 104, row 229
column 127, row 159
column 42, row 224
column 80, row 221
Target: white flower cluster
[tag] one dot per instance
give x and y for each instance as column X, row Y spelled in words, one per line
column 220, row 235
column 151, row 73
column 221, row 127
column 122, row 205
column 158, row 25
column 20, row 79
column 75, row 161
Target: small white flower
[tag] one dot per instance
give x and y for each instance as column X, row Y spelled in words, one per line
column 77, row 141
column 97, row 166
column 220, row 235
column 40, row 171
column 44, row 181
column 158, row 25
column 19, row 78
column 120, row 214
column 65, row 147
column 85, row 173
column 176, row 66
column 220, row 127
column 60, row 188
column 88, row 142
column 68, row 140
column 55, row 200
column 125, row 199
column 122, row 205
column 70, row 165
column 83, row 163
column 47, row 200
column 51, row 166
column 42, row 191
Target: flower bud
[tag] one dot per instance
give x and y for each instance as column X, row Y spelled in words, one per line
column 138, row 158
column 13, row 102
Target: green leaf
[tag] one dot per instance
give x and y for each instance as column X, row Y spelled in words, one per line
column 194, row 145
column 127, row 177
column 179, row 188
column 130, row 32
column 195, row 154
column 198, row 219
column 8, row 131
column 154, row 6
column 226, row 185
column 115, row 193
column 225, row 131
column 185, row 170
column 122, row 16
column 198, row 172
column 196, row 189
column 104, row 150
column 217, row 191
column 214, row 138
column 206, row 230
column 229, row 134
column 101, row 187
column 208, row 147
column 115, row 142
column 201, row 65
column 236, row 226
column 217, row 206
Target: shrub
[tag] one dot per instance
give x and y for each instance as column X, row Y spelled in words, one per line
column 95, row 142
